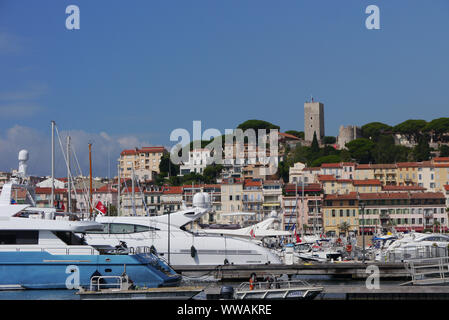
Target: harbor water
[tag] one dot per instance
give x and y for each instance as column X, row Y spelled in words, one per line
column 71, row 294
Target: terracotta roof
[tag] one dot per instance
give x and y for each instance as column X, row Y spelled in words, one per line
column 172, row 190
column 441, row 159
column 402, row 188
column 369, row 182
column 143, row 150
column 408, row 164
column 349, row 196
column 427, row 195
column 202, row 186
column 311, row 169
column 326, row 177
column 39, row 190
column 105, row 188
column 390, row 195
column 130, row 190
column 384, row 166
column 272, row 182
column 290, row 187
column 290, row 136
column 441, row 165
column 252, row 183
column 352, row 164
column 363, row 166
column 331, row 165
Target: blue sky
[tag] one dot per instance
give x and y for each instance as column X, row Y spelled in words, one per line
column 137, row 70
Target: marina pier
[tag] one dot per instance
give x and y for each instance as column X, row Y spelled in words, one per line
column 351, row 270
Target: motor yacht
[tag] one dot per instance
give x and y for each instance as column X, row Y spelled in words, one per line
column 169, row 236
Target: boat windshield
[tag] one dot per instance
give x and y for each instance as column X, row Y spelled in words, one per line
column 69, row 238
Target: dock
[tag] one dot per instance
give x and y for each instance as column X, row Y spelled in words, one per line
column 393, row 292
column 351, row 270
column 167, row 293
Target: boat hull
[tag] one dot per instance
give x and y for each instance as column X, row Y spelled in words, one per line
column 42, row 270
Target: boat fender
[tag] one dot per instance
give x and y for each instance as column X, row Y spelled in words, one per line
column 193, row 251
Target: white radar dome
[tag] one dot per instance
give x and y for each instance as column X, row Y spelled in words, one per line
column 23, row 155
column 201, row 200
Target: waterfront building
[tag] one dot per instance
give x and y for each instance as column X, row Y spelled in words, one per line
column 198, row 160
column 144, row 161
column 299, row 212
column 402, row 210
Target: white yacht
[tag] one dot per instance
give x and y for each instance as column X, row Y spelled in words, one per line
column 39, row 250
column 414, row 245
column 168, row 236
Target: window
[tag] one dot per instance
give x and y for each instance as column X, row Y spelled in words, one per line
column 69, row 238
column 19, row 237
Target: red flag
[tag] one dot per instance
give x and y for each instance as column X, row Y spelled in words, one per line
column 298, row 239
column 100, row 207
column 252, row 233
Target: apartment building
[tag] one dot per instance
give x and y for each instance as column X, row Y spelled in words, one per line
column 144, row 162
column 272, row 194
column 339, row 210
column 231, row 196
column 198, row 160
column 252, row 198
column 301, row 212
column 402, row 210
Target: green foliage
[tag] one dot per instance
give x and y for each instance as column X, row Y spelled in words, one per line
column 329, row 140
column 444, row 151
column 385, row 151
column 421, row 152
column 257, row 124
column 437, row 127
column 373, row 130
column 315, row 147
column 212, row 172
column 361, row 150
column 326, row 159
column 299, row 134
column 166, row 166
column 283, row 170
column 410, row 128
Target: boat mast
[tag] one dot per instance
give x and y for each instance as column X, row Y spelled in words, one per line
column 52, row 201
column 69, row 187
column 118, row 191
column 303, row 208
column 132, row 190
column 90, row 181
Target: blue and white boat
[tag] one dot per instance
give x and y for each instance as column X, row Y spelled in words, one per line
column 39, row 250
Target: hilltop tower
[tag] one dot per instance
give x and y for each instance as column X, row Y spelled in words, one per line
column 313, row 120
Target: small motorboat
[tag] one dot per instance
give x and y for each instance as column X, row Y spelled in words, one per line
column 277, row 289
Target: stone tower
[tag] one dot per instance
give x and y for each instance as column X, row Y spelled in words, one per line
column 347, row 134
column 313, row 120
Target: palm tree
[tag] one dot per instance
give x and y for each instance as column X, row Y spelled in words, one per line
column 344, row 227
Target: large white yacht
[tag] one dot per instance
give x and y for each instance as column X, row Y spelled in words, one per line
column 169, row 237
column 39, row 250
column 413, row 245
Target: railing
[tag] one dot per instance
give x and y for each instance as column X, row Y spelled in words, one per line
column 95, row 282
column 428, row 271
column 427, row 252
column 246, row 286
column 64, row 251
